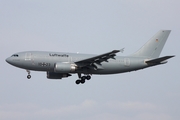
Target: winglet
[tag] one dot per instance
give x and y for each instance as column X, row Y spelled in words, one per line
column 116, row 51
column 121, row 50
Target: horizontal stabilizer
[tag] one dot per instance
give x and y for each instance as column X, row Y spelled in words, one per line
column 158, row 60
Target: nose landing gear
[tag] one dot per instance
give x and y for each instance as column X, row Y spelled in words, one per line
column 28, row 76
column 82, row 79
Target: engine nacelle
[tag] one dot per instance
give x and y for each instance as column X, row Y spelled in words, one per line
column 64, row 68
column 53, row 75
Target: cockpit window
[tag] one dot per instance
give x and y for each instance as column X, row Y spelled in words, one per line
column 15, row 55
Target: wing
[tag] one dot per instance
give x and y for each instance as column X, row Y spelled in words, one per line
column 95, row 62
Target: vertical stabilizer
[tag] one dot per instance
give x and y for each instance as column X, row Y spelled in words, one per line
column 154, row 46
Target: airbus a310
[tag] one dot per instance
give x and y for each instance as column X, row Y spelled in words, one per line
column 60, row 65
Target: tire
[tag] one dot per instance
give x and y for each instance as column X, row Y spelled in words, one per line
column 78, row 81
column 83, row 78
column 82, row 81
column 29, row 76
column 88, row 77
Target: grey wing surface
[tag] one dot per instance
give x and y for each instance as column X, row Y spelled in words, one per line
column 95, row 61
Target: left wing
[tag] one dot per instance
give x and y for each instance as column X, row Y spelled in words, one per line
column 95, row 62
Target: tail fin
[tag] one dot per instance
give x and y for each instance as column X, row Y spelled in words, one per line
column 154, row 46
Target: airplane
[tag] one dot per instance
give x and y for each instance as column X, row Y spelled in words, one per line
column 60, row 65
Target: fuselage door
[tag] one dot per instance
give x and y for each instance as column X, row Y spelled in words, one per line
column 126, row 62
column 28, row 56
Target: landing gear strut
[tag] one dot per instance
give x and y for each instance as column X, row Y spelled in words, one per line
column 82, row 79
column 28, row 76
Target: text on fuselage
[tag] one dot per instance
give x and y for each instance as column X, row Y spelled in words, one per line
column 58, row 55
column 43, row 64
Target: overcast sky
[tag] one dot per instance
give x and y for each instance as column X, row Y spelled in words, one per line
column 89, row 26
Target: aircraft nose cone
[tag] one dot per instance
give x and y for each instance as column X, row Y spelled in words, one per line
column 8, row 60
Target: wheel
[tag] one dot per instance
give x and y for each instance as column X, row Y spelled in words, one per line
column 82, row 81
column 78, row 81
column 29, row 76
column 83, row 78
column 88, row 77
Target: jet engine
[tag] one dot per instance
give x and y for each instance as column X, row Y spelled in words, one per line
column 64, row 68
column 53, row 75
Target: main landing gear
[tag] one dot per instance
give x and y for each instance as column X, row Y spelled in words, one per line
column 28, row 76
column 82, row 79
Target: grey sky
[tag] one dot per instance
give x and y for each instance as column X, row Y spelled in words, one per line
column 89, row 26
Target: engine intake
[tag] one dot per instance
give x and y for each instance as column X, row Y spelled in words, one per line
column 64, row 68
